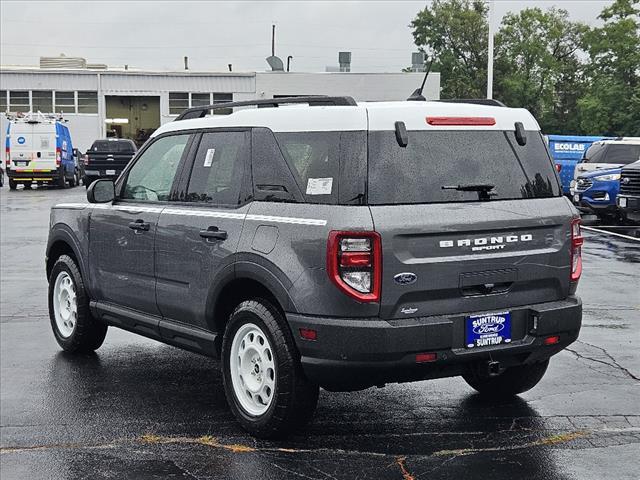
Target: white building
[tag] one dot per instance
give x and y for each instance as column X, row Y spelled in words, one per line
column 132, row 104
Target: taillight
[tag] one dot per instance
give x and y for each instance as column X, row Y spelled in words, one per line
column 558, row 167
column 354, row 264
column 576, row 250
column 7, row 156
column 58, row 156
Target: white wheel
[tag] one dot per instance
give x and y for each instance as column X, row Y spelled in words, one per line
column 65, row 304
column 253, row 370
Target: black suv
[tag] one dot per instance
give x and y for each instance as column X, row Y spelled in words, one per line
column 329, row 244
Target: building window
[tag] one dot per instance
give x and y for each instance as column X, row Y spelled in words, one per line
column 19, row 101
column 87, row 102
column 178, row 101
column 42, row 101
column 200, row 99
column 3, row 101
column 223, row 98
column 65, row 102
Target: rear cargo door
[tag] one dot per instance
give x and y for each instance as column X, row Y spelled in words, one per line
column 21, row 146
column 447, row 251
column 46, row 144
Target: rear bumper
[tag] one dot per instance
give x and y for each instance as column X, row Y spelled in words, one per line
column 38, row 176
column 358, row 353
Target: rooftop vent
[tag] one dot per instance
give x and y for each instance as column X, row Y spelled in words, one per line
column 344, row 58
column 63, row 62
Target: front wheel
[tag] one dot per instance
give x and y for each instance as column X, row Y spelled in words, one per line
column 512, row 381
column 263, row 380
column 73, row 326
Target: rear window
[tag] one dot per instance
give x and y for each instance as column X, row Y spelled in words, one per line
column 113, row 146
column 612, row 153
column 434, row 159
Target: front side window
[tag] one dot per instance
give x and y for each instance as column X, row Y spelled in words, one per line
column 218, row 168
column 151, row 177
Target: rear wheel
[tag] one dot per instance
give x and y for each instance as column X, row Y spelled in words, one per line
column 74, row 180
column 512, row 381
column 12, row 184
column 61, row 182
column 73, row 326
column 263, row 380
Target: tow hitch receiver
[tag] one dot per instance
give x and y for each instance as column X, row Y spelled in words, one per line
column 493, row 368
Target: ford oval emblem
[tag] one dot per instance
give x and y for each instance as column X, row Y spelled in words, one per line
column 406, row 278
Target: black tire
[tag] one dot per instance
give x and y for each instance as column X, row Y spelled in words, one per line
column 12, row 184
column 512, row 381
column 74, row 180
column 88, row 181
column 294, row 398
column 61, row 181
column 88, row 333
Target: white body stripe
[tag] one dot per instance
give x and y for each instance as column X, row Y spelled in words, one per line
column 197, row 213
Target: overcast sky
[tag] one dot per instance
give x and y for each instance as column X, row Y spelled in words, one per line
column 157, row 35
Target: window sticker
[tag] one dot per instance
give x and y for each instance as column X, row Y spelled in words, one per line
column 319, row 186
column 208, row 159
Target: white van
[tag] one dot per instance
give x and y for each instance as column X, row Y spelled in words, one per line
column 39, row 149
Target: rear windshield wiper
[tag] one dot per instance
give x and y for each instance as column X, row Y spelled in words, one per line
column 483, row 189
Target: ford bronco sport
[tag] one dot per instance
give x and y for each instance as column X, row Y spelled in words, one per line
column 329, row 243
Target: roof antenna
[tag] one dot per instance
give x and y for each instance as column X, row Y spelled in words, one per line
column 417, row 94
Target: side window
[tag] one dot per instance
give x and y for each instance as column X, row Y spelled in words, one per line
column 272, row 178
column 151, row 177
column 218, row 168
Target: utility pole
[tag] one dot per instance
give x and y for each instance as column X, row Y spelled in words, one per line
column 490, row 53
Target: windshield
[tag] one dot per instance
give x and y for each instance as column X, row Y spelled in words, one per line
column 470, row 160
column 617, row 153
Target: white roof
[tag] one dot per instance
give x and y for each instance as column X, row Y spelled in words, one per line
column 366, row 115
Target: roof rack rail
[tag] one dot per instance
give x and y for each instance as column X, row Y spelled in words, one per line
column 477, row 101
column 314, row 100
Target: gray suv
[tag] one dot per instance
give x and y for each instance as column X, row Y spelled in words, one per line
column 329, row 243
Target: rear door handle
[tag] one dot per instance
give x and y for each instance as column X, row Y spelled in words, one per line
column 212, row 233
column 140, row 226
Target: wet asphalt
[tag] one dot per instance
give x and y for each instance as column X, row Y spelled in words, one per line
column 142, row 410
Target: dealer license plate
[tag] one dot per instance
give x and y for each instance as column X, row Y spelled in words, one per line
column 576, row 198
column 110, row 172
column 622, row 202
column 488, row 329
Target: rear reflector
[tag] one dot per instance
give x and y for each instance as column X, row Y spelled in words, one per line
column 558, row 167
column 308, row 334
column 470, row 121
column 426, row 357
column 552, row 340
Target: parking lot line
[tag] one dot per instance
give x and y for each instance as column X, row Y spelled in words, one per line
column 597, row 230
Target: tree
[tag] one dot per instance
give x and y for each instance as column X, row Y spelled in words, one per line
column 611, row 104
column 537, row 66
column 454, row 33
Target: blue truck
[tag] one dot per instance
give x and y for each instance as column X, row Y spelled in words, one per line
column 567, row 151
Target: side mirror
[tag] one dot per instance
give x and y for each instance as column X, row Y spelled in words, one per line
column 101, row 191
